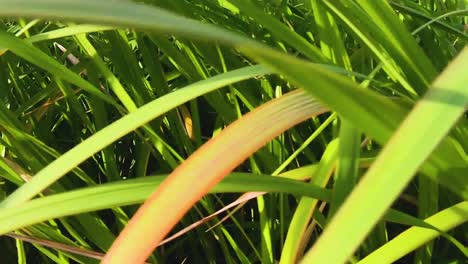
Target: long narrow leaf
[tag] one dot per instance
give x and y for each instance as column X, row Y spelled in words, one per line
column 136, row 191
column 122, row 127
column 345, row 97
column 195, row 177
column 443, row 105
column 415, row 237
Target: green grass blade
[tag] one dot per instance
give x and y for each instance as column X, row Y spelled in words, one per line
column 444, row 103
column 307, row 206
column 121, row 127
column 117, row 13
column 67, row 31
column 415, row 237
column 136, row 191
column 197, row 174
column 347, row 169
column 356, row 106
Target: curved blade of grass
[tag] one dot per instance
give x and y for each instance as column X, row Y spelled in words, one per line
column 354, row 104
column 117, row 13
column 340, row 93
column 121, row 127
column 443, row 105
column 415, row 237
column 365, row 109
column 198, row 174
column 136, row 191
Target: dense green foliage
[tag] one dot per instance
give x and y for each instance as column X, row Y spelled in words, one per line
column 98, row 95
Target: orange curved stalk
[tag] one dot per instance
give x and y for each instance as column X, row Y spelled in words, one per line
column 204, row 169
